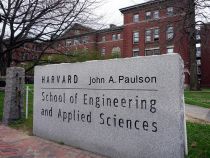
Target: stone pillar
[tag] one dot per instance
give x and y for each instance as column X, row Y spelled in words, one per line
column 14, row 95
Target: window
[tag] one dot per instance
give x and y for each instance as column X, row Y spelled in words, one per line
column 198, row 62
column 85, row 39
column 118, row 36
column 148, row 15
column 68, row 42
column 77, row 32
column 170, row 32
column 156, row 14
column 198, row 70
column 103, row 39
column 152, row 52
column 135, row 37
column 148, row 36
column 170, row 50
column 170, row 11
column 135, row 52
column 156, row 34
column 76, row 41
column 114, row 37
column 25, row 56
column 103, row 51
column 116, row 50
column 198, row 51
column 136, row 18
column 198, row 37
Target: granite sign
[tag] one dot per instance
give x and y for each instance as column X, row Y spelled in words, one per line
column 119, row 108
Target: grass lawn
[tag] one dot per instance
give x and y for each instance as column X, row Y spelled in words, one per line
column 198, row 134
column 198, row 140
column 22, row 124
column 200, row 98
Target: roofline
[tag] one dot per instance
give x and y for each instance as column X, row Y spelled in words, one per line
column 122, row 10
column 110, row 29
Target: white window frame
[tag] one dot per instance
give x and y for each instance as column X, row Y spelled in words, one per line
column 85, row 39
column 136, row 50
column 170, row 48
column 135, row 37
column 103, row 39
column 118, row 36
column 156, row 34
column 153, row 50
column 148, row 35
column 68, row 42
column 170, row 11
column 156, row 14
column 136, row 17
column 170, row 33
column 103, row 51
column 114, row 37
column 148, row 15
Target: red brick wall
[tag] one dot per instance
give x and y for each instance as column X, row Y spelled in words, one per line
column 205, row 56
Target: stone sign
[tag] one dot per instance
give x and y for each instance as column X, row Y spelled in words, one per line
column 14, row 94
column 119, row 108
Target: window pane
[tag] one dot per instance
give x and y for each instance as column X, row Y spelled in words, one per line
column 170, row 50
column 152, row 52
column 135, row 37
column 148, row 35
column 148, row 15
column 118, row 36
column 148, row 52
column 156, row 14
column 135, row 52
column 114, row 37
column 170, row 11
column 103, row 51
column 68, row 42
column 156, row 52
column 156, row 34
column 85, row 39
column 135, row 17
column 103, row 39
column 170, row 32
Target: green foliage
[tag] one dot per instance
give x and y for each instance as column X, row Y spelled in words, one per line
column 198, row 140
column 200, row 98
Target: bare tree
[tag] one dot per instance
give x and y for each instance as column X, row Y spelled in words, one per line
column 196, row 14
column 28, row 21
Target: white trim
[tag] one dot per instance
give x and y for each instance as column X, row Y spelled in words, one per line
column 109, row 41
column 170, row 47
column 152, row 48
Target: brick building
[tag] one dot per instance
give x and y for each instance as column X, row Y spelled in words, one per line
column 204, row 69
column 151, row 28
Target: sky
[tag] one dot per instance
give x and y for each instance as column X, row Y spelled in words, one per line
column 109, row 9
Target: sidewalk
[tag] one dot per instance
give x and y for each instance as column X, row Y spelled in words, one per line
column 15, row 144
column 198, row 112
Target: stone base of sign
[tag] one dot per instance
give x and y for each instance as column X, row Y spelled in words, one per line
column 14, row 95
column 130, row 108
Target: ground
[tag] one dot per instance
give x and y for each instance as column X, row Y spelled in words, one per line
column 199, row 98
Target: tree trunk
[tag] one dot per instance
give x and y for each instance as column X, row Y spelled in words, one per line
column 192, row 45
column 2, row 62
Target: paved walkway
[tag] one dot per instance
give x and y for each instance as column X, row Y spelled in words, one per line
column 198, row 112
column 16, row 144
